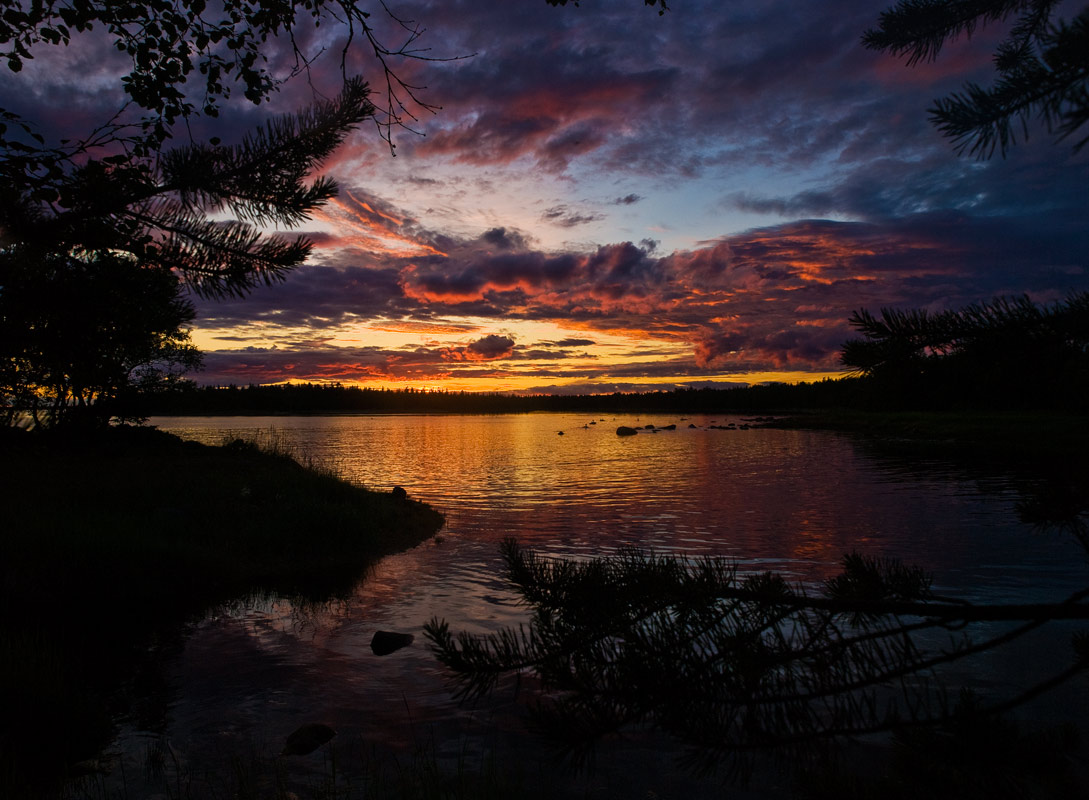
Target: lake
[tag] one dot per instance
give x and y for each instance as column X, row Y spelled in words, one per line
column 236, row 683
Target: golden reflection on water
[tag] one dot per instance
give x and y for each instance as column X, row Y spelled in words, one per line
column 794, row 501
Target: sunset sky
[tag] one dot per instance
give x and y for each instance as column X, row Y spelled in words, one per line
column 610, row 199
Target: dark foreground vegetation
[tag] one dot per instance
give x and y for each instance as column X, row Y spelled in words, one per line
column 113, row 538
column 733, row 664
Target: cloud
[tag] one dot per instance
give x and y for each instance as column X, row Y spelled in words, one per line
column 566, row 218
column 812, row 157
column 570, row 342
column 551, row 100
column 769, row 298
column 488, row 348
column 504, row 239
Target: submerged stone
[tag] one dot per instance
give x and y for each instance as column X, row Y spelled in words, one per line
column 307, row 739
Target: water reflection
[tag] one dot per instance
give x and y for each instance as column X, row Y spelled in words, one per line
column 792, row 501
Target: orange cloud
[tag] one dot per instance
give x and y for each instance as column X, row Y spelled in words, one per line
column 358, row 225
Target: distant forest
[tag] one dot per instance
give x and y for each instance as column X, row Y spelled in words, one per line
column 309, row 398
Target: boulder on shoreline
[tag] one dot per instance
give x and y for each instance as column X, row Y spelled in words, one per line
column 385, row 642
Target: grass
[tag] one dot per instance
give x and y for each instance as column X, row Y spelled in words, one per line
column 352, row 770
column 113, row 538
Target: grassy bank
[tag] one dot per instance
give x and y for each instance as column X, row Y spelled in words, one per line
column 113, row 538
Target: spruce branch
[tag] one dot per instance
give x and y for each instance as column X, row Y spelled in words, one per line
column 1042, row 66
column 730, row 664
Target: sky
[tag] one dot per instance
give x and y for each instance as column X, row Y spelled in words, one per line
column 610, row 199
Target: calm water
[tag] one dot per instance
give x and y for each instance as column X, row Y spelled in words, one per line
column 793, row 501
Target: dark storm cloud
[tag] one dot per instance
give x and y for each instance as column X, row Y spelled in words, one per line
column 314, row 296
column 570, row 342
column 549, row 96
column 890, row 188
column 488, row 348
column 504, row 239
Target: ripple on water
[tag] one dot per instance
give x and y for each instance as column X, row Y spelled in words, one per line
column 790, row 501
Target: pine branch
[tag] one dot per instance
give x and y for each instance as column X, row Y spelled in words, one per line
column 220, row 259
column 980, row 120
column 919, row 28
column 261, row 179
column 729, row 664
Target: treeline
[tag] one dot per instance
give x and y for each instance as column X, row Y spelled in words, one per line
column 310, row 398
column 1008, row 354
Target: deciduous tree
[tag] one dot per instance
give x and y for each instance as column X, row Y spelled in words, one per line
column 77, row 331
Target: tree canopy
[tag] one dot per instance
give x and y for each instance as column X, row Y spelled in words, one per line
column 119, row 203
column 122, row 236
column 159, row 211
column 1007, row 353
column 78, row 331
column 1042, row 65
column 186, row 59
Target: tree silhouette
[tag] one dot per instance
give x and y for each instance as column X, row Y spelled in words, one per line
column 1043, row 68
column 731, row 664
column 188, row 58
column 1009, row 352
column 115, row 215
column 119, row 196
column 78, row 331
column 158, row 211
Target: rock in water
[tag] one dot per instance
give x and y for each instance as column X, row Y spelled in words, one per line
column 624, row 430
column 385, row 642
column 307, row 739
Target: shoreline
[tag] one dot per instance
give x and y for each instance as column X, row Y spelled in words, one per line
column 116, row 538
column 1001, row 434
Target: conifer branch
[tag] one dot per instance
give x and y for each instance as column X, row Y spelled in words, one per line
column 731, row 664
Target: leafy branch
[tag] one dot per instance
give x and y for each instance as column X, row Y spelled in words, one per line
column 220, row 46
